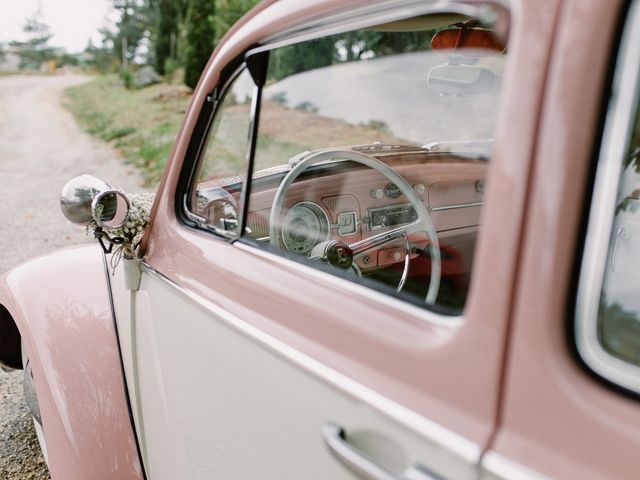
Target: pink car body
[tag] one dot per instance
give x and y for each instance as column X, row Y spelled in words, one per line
column 496, row 392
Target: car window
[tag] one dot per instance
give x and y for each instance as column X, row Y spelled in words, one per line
column 224, row 160
column 619, row 310
column 372, row 155
column 607, row 322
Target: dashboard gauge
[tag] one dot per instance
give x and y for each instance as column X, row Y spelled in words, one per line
column 304, row 226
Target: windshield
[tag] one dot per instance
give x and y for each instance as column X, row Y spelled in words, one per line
column 370, row 86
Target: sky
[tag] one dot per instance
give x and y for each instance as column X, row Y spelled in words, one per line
column 72, row 22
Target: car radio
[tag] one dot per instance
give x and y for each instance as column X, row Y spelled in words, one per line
column 391, row 215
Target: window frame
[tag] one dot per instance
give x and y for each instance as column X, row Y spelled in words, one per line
column 618, row 127
column 211, row 108
column 351, row 20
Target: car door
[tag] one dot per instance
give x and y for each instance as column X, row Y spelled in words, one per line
column 245, row 359
column 569, row 405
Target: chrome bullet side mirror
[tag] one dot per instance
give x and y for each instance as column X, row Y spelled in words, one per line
column 86, row 198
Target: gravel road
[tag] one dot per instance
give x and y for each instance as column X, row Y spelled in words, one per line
column 41, row 147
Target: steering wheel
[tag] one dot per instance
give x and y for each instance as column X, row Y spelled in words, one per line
column 342, row 255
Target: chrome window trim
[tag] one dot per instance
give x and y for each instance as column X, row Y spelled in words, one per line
column 395, row 303
column 619, row 123
column 458, row 446
column 202, row 223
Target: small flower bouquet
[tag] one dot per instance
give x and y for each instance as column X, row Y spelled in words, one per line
column 126, row 236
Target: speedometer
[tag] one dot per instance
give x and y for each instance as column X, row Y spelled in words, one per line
column 304, row 226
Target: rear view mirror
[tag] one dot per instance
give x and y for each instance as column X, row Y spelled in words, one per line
column 460, row 80
column 474, row 41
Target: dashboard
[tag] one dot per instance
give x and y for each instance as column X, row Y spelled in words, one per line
column 345, row 204
column 349, row 202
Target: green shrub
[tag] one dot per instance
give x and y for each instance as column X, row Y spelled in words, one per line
column 168, row 15
column 126, row 75
column 171, row 66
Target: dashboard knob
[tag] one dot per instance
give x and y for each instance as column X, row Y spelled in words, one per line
column 419, row 188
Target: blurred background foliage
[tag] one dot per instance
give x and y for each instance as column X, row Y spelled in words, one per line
column 175, row 37
column 150, row 55
column 343, row 48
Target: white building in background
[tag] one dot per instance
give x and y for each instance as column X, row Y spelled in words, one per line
column 9, row 60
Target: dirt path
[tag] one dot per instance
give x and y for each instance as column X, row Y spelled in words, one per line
column 41, row 147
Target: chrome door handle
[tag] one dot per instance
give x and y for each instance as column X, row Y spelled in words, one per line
column 336, row 439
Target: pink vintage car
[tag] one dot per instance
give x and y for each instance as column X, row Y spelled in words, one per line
column 394, row 240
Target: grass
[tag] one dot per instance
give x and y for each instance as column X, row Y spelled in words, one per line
column 142, row 124
column 33, row 73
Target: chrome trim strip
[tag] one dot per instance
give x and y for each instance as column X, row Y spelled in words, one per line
column 495, row 466
column 462, row 448
column 625, row 95
column 453, row 321
column 455, row 207
column 137, row 428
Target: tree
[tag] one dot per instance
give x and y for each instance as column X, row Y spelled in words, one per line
column 200, row 37
column 347, row 47
column 130, row 29
column 100, row 58
column 166, row 34
column 229, row 12
column 377, row 44
column 302, row 57
column 34, row 51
